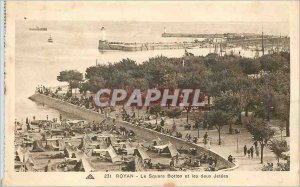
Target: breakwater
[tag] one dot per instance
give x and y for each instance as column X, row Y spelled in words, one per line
column 141, row 133
column 188, row 35
column 105, row 45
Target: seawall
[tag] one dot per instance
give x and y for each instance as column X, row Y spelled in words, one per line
column 141, row 133
column 190, row 35
column 105, row 45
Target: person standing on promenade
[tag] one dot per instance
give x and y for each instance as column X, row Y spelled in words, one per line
column 205, row 138
column 245, row 150
column 251, row 151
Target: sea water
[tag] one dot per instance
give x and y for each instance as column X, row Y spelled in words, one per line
column 75, row 46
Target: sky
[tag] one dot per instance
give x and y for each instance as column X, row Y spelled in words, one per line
column 175, row 11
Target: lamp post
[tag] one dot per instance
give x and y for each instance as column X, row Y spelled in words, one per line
column 199, row 124
column 237, row 131
column 267, row 99
column 237, row 143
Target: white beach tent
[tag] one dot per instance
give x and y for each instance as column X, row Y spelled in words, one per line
column 167, row 148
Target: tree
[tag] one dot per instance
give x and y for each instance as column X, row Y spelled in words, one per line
column 138, row 83
column 272, row 62
column 198, row 118
column 260, row 132
column 278, row 147
column 93, row 85
column 225, row 79
column 249, row 66
column 155, row 110
column 280, row 89
column 281, row 128
column 249, row 95
column 218, row 119
column 277, row 67
column 73, row 77
column 201, row 119
column 173, row 113
column 229, row 104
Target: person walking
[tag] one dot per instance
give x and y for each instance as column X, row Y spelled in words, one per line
column 205, row 135
column 255, row 144
column 257, row 151
column 205, row 138
column 248, row 152
column 208, row 143
column 245, row 150
column 251, row 151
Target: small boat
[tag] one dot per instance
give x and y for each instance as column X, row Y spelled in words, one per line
column 50, row 40
column 36, row 28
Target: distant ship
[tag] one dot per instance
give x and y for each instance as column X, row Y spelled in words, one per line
column 50, row 40
column 38, row 28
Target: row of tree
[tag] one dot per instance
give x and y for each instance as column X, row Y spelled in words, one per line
column 236, row 84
